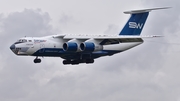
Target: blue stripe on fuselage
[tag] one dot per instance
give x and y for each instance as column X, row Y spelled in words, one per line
column 58, row 52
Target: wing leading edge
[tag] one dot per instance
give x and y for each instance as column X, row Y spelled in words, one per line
column 108, row 37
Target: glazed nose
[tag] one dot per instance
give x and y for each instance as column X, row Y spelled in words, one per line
column 12, row 46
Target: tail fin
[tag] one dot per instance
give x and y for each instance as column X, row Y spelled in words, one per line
column 137, row 21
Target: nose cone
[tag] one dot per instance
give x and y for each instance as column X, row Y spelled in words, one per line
column 12, row 47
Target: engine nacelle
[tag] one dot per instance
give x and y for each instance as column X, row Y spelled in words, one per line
column 70, row 46
column 90, row 47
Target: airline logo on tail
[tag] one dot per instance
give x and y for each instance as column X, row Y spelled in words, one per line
column 135, row 25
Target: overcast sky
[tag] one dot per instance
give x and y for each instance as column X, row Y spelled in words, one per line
column 149, row 72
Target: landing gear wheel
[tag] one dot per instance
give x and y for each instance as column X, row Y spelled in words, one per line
column 88, row 61
column 72, row 62
column 66, row 62
column 36, row 60
column 75, row 62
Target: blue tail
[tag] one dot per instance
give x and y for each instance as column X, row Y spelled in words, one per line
column 135, row 24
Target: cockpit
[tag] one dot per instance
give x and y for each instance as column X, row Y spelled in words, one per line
column 22, row 41
column 21, row 46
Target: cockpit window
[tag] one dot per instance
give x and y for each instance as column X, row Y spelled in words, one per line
column 30, row 40
column 21, row 40
column 24, row 40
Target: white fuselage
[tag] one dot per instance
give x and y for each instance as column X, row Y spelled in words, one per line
column 53, row 47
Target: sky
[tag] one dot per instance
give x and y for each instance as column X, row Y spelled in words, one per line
column 148, row 72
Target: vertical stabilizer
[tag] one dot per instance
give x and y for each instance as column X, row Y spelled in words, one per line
column 137, row 21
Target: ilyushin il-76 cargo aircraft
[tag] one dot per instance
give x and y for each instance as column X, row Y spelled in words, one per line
column 80, row 48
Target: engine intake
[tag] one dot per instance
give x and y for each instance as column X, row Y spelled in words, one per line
column 70, row 47
column 87, row 46
column 90, row 47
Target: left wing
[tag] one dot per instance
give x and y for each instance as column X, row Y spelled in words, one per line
column 107, row 39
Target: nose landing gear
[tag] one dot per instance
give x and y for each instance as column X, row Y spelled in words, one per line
column 36, row 60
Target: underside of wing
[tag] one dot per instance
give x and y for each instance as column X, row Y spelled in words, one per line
column 117, row 41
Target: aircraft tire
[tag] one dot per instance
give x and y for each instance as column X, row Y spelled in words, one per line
column 75, row 62
column 89, row 61
column 66, row 62
column 37, row 60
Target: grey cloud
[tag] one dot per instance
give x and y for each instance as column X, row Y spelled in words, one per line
column 144, row 73
column 112, row 29
column 16, row 82
column 154, row 56
column 28, row 22
column 64, row 19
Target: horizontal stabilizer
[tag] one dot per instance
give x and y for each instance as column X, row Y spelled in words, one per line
column 143, row 10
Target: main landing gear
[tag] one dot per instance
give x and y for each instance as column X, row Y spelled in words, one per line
column 36, row 60
column 75, row 62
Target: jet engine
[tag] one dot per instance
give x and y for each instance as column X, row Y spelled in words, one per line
column 72, row 45
column 91, row 46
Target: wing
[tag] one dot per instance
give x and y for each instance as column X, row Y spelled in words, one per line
column 107, row 39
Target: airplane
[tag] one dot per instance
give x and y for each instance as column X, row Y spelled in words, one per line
column 82, row 48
